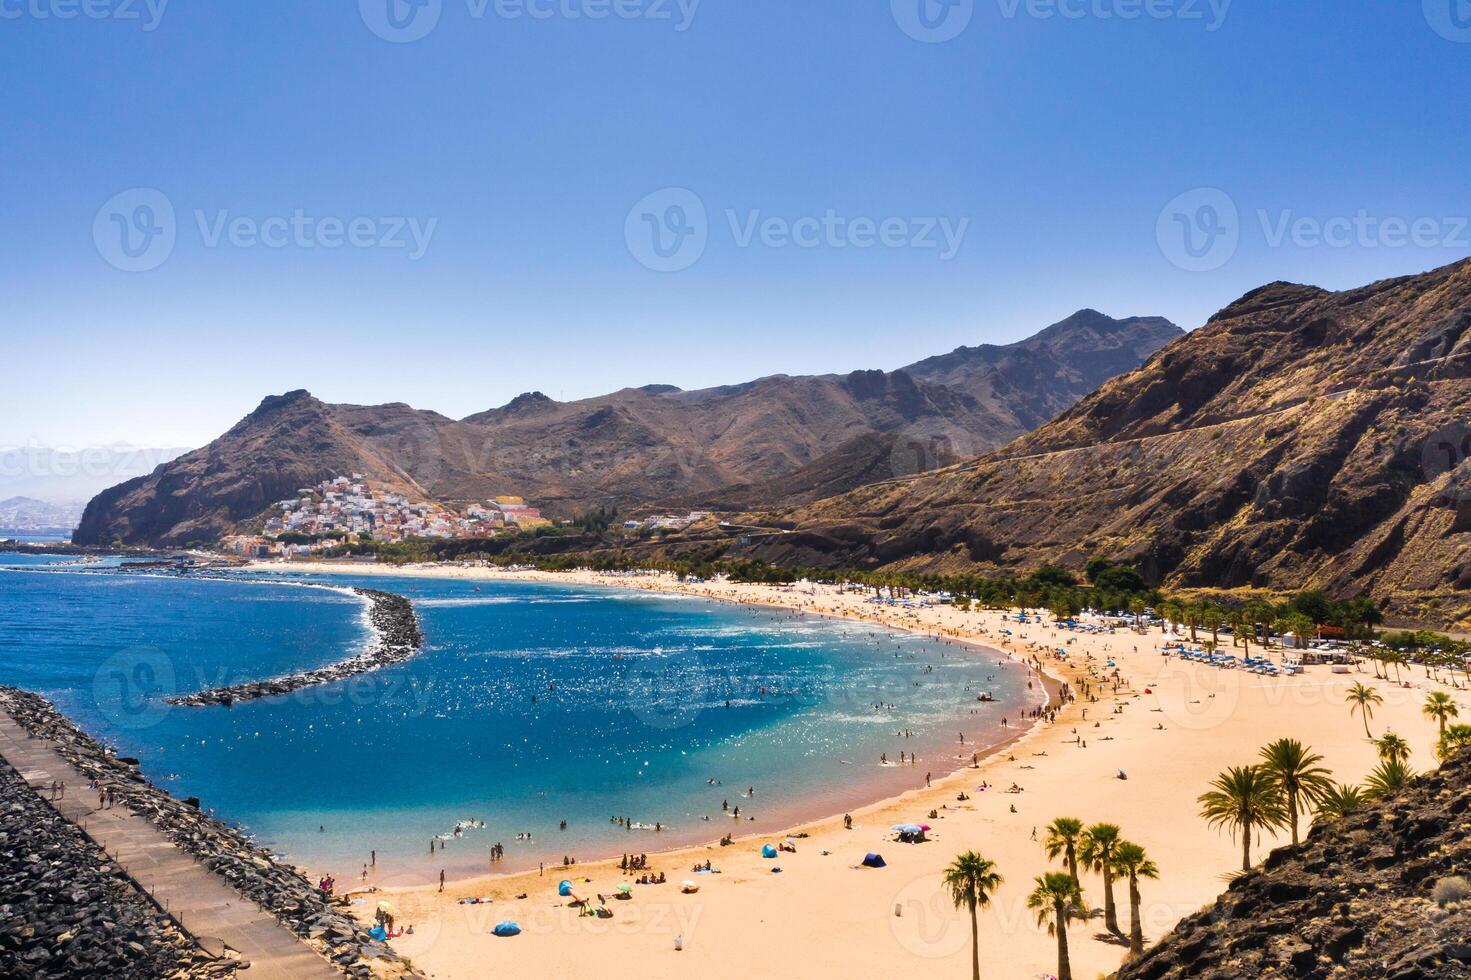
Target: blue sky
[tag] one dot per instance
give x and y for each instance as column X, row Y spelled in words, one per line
column 1065, row 146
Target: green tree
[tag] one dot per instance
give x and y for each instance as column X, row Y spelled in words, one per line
column 1440, row 707
column 1054, row 900
column 1299, row 778
column 1340, row 800
column 1392, row 748
column 1363, row 699
column 1096, row 852
column 971, row 880
column 1387, row 778
column 1131, row 861
column 1063, row 837
column 1455, row 739
column 1244, row 799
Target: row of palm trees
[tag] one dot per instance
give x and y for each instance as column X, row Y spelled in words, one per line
column 1289, row 783
column 1057, row 896
column 1278, row 792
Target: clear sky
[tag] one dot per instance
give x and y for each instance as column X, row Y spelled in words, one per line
column 940, row 172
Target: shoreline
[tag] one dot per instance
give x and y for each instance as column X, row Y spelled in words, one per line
column 1171, row 724
column 1053, row 687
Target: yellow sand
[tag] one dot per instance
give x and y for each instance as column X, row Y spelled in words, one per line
column 825, row 918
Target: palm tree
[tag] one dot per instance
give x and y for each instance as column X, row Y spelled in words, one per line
column 1099, row 847
column 1392, row 748
column 1133, row 863
column 1244, row 798
column 971, row 880
column 1063, row 836
column 1389, row 777
column 1054, row 899
column 1340, row 800
column 1439, row 707
column 1363, row 699
column 1456, row 738
column 1295, row 771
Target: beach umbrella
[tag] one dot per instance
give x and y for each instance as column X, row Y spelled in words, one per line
column 625, row 888
column 564, row 889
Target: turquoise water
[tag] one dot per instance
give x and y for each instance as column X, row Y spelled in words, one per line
column 530, row 704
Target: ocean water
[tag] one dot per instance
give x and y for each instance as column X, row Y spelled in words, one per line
column 530, row 704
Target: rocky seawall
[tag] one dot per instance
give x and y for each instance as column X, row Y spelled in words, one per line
column 1379, row 894
column 396, row 638
column 251, row 870
column 67, row 911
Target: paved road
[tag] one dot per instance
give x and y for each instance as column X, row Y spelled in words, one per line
column 203, row 903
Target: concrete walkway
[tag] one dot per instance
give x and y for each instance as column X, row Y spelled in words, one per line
column 202, row 902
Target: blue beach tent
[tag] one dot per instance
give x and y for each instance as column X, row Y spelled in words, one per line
column 875, row 861
column 768, row 851
column 507, row 929
column 564, row 889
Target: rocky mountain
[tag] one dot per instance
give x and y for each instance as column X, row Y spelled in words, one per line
column 1302, row 438
column 1379, row 894
column 769, row 441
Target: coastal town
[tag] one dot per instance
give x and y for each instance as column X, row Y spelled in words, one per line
column 322, row 517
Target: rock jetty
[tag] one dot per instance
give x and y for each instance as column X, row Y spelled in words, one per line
column 1378, row 894
column 396, row 639
column 66, row 911
column 251, row 870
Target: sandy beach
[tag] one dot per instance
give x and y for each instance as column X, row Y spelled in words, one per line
column 1171, row 725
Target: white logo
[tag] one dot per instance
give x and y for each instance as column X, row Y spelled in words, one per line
column 1451, row 19
column 668, row 230
column 136, row 230
column 132, row 687
column 1200, row 230
column 933, row 21
column 401, row 21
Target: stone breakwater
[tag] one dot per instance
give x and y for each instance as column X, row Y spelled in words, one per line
column 396, row 639
column 68, row 911
column 251, row 870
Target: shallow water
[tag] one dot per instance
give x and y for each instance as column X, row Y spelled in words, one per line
column 530, row 704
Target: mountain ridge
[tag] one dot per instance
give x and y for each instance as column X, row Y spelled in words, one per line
column 634, row 447
column 1300, row 439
